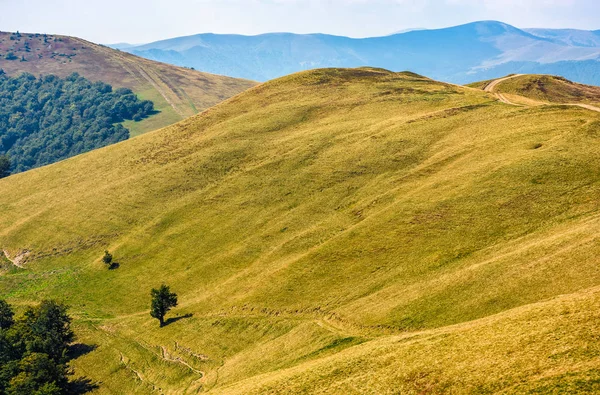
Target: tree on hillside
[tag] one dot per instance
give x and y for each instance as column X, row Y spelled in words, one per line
column 107, row 258
column 48, row 330
column 38, row 374
column 6, row 315
column 33, row 350
column 162, row 301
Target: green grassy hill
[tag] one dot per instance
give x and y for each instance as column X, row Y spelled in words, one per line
column 176, row 91
column 338, row 231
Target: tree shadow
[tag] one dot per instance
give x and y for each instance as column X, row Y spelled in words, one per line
column 175, row 319
column 81, row 385
column 148, row 115
column 79, row 349
column 114, row 266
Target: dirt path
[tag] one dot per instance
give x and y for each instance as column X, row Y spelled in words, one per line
column 491, row 88
column 131, row 67
column 125, row 362
column 587, row 106
column 169, row 358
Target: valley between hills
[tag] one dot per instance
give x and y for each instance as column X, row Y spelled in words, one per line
column 332, row 231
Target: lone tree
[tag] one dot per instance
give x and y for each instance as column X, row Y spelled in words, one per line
column 162, row 301
column 107, row 258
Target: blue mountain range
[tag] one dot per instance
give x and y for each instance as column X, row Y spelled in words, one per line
column 460, row 54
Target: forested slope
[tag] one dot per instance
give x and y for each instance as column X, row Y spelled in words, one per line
column 47, row 119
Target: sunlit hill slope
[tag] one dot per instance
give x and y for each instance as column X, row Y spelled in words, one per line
column 337, row 231
column 176, row 91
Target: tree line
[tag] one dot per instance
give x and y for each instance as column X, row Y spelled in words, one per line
column 47, row 119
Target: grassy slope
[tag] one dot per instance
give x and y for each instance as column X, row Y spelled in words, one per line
column 546, row 348
column 546, row 89
column 177, row 92
column 314, row 213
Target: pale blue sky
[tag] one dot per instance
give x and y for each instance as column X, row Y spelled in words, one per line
column 139, row 21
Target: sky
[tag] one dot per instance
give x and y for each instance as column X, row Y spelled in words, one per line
column 143, row 21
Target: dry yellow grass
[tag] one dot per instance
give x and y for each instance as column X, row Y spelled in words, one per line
column 334, row 230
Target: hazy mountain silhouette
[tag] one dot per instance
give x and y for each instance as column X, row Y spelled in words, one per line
column 458, row 54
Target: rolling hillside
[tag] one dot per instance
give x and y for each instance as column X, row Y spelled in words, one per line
column 544, row 89
column 334, row 231
column 177, row 92
column 459, row 54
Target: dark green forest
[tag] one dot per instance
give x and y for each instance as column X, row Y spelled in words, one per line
column 47, row 119
column 35, row 350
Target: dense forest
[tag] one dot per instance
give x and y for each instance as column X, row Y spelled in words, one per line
column 47, row 119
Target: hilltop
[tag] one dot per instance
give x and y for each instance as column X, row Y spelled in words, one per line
column 543, row 89
column 176, row 92
column 458, row 54
column 347, row 230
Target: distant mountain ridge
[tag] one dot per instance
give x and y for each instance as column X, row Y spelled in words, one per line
column 572, row 37
column 459, row 54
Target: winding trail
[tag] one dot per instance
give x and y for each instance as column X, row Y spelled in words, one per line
column 588, row 106
column 169, row 358
column 125, row 362
column 143, row 74
column 491, row 88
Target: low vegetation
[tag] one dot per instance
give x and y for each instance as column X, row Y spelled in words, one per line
column 47, row 119
column 342, row 230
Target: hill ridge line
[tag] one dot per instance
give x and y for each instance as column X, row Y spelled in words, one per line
column 491, row 88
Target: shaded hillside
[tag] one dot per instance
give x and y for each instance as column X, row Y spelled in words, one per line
column 458, row 54
column 336, row 229
column 177, row 92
